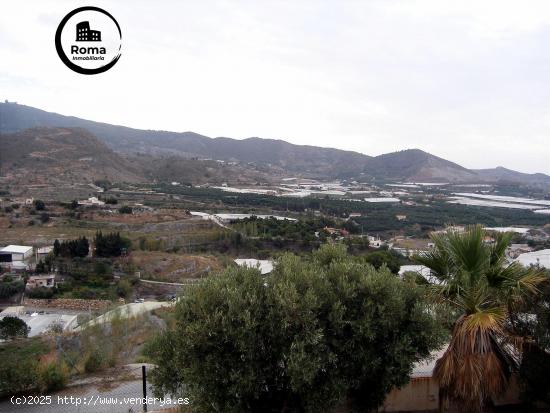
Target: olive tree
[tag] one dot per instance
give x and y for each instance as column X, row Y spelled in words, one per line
column 318, row 332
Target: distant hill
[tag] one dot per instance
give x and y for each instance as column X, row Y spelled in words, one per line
column 255, row 154
column 504, row 175
column 49, row 155
column 293, row 158
column 417, row 165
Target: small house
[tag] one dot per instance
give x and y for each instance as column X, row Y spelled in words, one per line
column 45, row 280
column 43, row 252
column 92, row 201
column 375, row 242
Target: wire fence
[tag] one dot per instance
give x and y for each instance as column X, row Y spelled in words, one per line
column 130, row 394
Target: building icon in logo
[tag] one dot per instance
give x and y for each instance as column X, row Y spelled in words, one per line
column 84, row 34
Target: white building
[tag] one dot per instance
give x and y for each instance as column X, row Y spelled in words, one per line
column 43, row 252
column 16, row 253
column 16, row 257
column 92, row 201
column 375, row 242
column 265, row 266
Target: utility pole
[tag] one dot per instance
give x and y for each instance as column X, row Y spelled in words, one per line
column 144, row 380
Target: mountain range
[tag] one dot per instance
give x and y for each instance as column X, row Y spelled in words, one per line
column 117, row 151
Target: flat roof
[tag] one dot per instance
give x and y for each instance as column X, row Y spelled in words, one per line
column 265, row 266
column 16, row 249
column 45, row 250
column 540, row 258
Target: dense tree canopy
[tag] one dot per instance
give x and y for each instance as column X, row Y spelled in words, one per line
column 110, row 245
column 391, row 259
column 317, row 332
column 11, row 327
column 79, row 247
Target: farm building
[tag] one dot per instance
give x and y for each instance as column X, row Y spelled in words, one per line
column 43, row 252
column 13, row 253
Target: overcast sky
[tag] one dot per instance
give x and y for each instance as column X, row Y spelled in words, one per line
column 465, row 80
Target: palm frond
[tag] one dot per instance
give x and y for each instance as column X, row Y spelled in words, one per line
column 520, row 282
column 475, row 365
column 467, row 250
column 437, row 259
column 498, row 248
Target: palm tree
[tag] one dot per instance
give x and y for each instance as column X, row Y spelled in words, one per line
column 474, row 278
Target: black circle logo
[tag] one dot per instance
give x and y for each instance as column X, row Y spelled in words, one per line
column 88, row 40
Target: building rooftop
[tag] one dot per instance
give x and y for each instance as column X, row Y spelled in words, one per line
column 540, row 258
column 41, row 276
column 45, row 250
column 265, row 266
column 16, row 249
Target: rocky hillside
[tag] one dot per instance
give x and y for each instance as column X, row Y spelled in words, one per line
column 278, row 153
column 49, row 155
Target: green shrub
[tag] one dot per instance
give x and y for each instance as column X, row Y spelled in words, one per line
column 94, row 362
column 40, row 292
column 9, row 288
column 19, row 364
column 39, row 205
column 17, row 376
column 125, row 209
column 53, row 376
column 124, row 288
